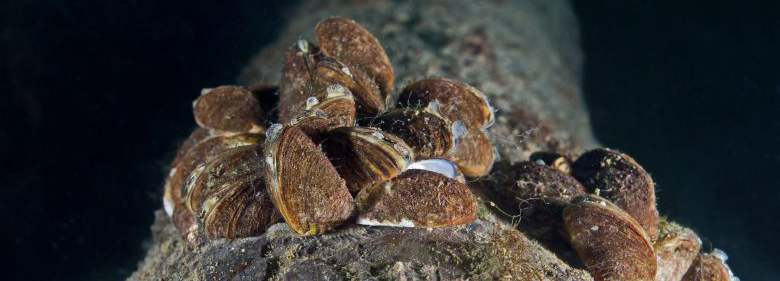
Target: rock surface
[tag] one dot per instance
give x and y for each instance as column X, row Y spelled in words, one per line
column 523, row 54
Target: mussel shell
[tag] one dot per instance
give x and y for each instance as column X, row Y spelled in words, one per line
column 296, row 83
column 457, row 101
column 474, row 154
column 348, row 42
column 417, row 198
column 229, row 109
column 608, row 240
column 303, row 184
column 336, row 110
column 365, row 155
column 619, row 178
column 368, row 98
column 426, row 132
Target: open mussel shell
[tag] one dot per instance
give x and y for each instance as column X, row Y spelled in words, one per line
column 368, row 98
column 303, row 184
column 335, row 109
column 417, row 198
column 608, row 240
column 364, row 155
column 348, row 42
column 229, row 109
column 620, row 179
column 425, row 131
column 458, row 101
column 228, row 197
column 296, row 84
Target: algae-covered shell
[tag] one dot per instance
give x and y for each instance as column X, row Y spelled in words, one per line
column 417, row 198
column 710, row 267
column 365, row 155
column 619, row 178
column 229, row 197
column 425, row 131
column 348, row 42
column 608, row 240
column 303, row 184
column 458, row 101
column 229, row 109
column 541, row 191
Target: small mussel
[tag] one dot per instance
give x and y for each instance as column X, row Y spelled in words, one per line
column 417, row 198
column 710, row 267
column 365, row 155
column 303, row 184
column 229, row 109
column 608, row 241
column 458, row 101
column 619, row 178
column 553, row 159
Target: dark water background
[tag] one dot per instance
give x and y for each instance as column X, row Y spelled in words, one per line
column 96, row 95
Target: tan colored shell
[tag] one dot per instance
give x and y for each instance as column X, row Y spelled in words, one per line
column 365, row 155
column 542, row 192
column 709, row 267
column 229, row 109
column 346, row 41
column 337, row 109
column 619, row 178
column 229, row 197
column 305, row 187
column 474, row 155
column 608, row 241
column 417, row 198
column 425, row 131
column 675, row 250
column 458, row 101
column 552, row 159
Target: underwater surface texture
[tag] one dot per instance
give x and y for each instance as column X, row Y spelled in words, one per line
column 97, row 96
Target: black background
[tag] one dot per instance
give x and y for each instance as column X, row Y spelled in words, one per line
column 96, row 96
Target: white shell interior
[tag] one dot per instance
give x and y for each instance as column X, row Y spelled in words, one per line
column 443, row 167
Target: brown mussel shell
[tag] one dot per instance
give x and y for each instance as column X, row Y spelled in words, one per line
column 296, row 84
column 199, row 154
column 303, row 184
column 542, row 192
column 458, row 101
column 675, row 250
column 417, row 198
column 348, row 42
column 368, row 98
column 608, row 240
column 229, row 197
column 365, row 155
column 620, row 179
column 229, row 109
column 709, row 267
column 337, row 109
column 473, row 154
column 425, row 131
